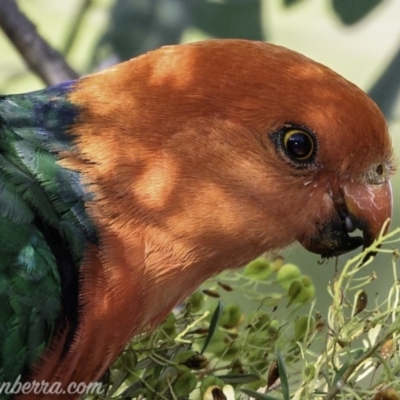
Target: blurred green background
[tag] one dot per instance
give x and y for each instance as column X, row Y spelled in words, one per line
column 360, row 39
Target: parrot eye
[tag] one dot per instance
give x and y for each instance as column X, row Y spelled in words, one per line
column 298, row 144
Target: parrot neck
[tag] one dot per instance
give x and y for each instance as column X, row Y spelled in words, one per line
column 43, row 117
column 38, row 126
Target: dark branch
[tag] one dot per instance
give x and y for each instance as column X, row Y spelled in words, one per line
column 40, row 57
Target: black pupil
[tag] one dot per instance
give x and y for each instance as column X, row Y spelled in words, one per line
column 299, row 144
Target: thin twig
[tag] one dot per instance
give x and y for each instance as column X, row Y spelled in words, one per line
column 334, row 390
column 40, row 57
column 76, row 25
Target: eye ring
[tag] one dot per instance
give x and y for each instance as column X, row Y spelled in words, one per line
column 299, row 144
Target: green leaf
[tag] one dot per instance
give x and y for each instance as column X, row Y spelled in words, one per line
column 213, row 325
column 351, row 12
column 289, row 3
column 239, row 378
column 118, row 381
column 283, row 375
column 355, row 354
column 229, row 19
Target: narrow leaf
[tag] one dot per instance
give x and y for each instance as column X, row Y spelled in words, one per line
column 238, row 378
column 283, row 375
column 257, row 395
column 213, row 325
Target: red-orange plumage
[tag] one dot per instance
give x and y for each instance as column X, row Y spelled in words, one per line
column 175, row 145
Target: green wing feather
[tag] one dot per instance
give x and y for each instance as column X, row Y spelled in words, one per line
column 44, row 228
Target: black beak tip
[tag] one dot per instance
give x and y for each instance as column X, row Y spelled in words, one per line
column 342, row 245
column 333, row 239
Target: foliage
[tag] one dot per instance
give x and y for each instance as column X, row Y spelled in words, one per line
column 102, row 32
column 154, row 23
column 283, row 349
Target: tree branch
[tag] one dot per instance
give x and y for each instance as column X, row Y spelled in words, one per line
column 40, row 57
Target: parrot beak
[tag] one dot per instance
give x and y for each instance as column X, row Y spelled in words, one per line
column 366, row 207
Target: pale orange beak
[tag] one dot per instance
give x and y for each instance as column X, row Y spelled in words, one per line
column 366, row 207
column 371, row 206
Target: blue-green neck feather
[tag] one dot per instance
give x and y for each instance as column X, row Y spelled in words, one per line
column 44, row 226
column 38, row 126
column 43, row 116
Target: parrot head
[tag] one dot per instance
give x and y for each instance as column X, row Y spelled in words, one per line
column 247, row 147
column 342, row 153
column 319, row 145
column 338, row 148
